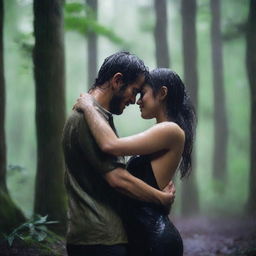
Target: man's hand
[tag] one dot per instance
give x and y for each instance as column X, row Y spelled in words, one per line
column 169, row 195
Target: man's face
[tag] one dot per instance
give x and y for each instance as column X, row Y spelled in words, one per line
column 127, row 96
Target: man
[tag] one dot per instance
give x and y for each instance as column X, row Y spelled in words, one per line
column 95, row 180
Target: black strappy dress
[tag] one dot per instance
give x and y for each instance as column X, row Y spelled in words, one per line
column 150, row 232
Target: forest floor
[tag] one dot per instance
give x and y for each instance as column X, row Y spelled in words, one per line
column 202, row 236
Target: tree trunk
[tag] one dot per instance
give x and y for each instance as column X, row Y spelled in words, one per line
column 251, row 67
column 92, row 49
column 2, row 107
column 220, row 112
column 49, row 72
column 160, row 34
column 190, row 201
column 10, row 215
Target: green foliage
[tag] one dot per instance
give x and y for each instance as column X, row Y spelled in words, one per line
column 34, row 229
column 80, row 9
column 74, row 7
column 80, row 18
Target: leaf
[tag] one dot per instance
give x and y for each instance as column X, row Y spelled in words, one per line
column 51, row 222
column 78, row 8
column 41, row 228
column 31, row 229
column 39, row 235
column 74, row 7
column 78, row 24
column 84, row 23
column 41, row 220
column 21, row 236
column 22, row 226
column 10, row 240
column 42, row 236
column 34, row 228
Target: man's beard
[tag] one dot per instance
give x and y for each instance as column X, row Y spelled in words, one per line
column 115, row 104
column 117, row 100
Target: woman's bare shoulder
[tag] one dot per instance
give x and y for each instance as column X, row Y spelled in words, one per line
column 171, row 130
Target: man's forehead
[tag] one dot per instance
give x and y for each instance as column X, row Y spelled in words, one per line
column 140, row 82
column 141, row 79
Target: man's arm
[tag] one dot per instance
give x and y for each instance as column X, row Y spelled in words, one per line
column 129, row 185
column 117, row 177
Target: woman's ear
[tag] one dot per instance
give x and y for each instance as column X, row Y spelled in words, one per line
column 117, row 81
column 163, row 93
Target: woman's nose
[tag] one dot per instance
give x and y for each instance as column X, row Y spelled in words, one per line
column 138, row 101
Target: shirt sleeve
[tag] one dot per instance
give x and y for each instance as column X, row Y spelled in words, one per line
column 100, row 161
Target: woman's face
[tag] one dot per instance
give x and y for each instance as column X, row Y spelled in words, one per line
column 149, row 105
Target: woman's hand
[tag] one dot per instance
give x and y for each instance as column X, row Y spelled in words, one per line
column 83, row 102
column 170, row 188
column 169, row 196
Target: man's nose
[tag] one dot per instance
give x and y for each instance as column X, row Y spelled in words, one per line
column 133, row 100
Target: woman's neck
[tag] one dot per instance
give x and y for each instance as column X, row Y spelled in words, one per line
column 162, row 116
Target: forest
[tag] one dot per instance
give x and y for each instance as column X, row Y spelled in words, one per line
column 50, row 52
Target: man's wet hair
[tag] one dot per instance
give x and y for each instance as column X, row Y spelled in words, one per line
column 126, row 63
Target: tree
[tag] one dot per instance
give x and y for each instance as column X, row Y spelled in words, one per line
column 82, row 18
column 92, row 40
column 190, row 201
column 10, row 215
column 2, row 107
column 49, row 73
column 251, row 67
column 160, row 34
column 220, row 113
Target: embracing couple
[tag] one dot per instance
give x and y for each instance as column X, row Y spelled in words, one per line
column 117, row 208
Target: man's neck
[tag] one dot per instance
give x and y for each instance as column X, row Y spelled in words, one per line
column 102, row 96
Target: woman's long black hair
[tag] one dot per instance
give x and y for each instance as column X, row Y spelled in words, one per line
column 179, row 109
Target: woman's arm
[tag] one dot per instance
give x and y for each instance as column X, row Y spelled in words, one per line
column 159, row 137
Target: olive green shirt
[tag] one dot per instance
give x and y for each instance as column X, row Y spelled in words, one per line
column 92, row 204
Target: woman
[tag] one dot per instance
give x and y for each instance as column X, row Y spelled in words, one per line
column 161, row 150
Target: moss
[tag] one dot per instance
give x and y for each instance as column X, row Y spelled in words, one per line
column 30, row 247
column 11, row 219
column 53, row 237
column 10, row 215
column 44, row 248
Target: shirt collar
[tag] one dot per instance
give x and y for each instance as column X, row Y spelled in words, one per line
column 108, row 115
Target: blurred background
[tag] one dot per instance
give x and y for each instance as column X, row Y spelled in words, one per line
column 203, row 41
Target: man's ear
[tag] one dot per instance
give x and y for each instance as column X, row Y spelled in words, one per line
column 163, row 93
column 117, row 81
